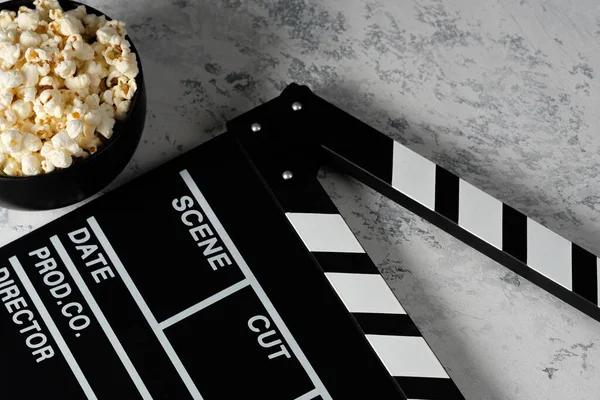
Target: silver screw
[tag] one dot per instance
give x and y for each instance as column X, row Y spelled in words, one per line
column 255, row 127
column 296, row 106
column 287, row 175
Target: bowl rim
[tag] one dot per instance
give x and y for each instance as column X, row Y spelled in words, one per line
column 119, row 125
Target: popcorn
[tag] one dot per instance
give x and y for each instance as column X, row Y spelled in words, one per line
column 59, row 158
column 31, row 165
column 107, row 97
column 44, row 6
column 48, row 82
column 46, row 149
column 22, row 109
column 10, row 79
column 36, row 55
column 8, row 118
column 78, row 82
column 65, row 79
column 28, row 19
column 94, row 117
column 125, row 88
column 113, row 78
column 12, row 167
column 65, row 69
column 62, row 140
column 30, row 39
column 31, row 143
column 79, row 13
column 90, row 144
column 70, row 25
column 93, row 23
column 10, row 54
column 77, row 48
column 47, row 166
column 51, row 100
column 8, row 35
column 6, row 18
column 12, row 140
column 74, row 128
column 105, row 33
column 92, row 101
column 30, row 74
column 44, row 69
column 6, row 99
column 127, row 65
column 122, row 109
column 106, row 126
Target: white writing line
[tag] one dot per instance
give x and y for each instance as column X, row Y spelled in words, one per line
column 203, row 304
column 60, row 342
column 141, row 303
column 108, row 331
column 309, row 396
column 255, row 285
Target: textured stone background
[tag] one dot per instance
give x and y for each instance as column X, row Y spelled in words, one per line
column 503, row 93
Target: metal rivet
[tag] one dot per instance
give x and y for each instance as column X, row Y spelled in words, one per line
column 296, row 106
column 287, row 175
column 255, row 127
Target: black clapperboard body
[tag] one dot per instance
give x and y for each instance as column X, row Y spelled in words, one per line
column 228, row 273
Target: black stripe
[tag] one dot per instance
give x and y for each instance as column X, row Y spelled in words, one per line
column 585, row 274
column 355, row 263
column 429, row 388
column 386, row 324
column 309, row 197
column 514, row 233
column 446, row 193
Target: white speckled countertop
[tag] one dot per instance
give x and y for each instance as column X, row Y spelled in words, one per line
column 503, row 93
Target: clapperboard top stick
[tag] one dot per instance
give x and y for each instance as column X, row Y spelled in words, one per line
column 176, row 293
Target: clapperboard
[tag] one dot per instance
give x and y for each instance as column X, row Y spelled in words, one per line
column 228, row 273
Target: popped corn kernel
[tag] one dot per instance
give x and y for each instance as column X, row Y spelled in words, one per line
column 31, row 165
column 22, row 109
column 12, row 140
column 122, row 109
column 30, row 39
column 31, row 74
column 31, row 143
column 27, row 19
column 74, row 128
column 10, row 79
column 60, row 158
column 12, row 167
column 6, row 99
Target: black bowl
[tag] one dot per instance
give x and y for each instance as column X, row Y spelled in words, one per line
column 84, row 178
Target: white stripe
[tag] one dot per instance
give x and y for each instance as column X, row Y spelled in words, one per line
column 60, row 342
column 407, row 356
column 365, row 293
column 108, row 331
column 309, row 396
column 255, row 285
column 141, row 303
column 598, row 278
column 480, row 214
column 413, row 175
column 203, row 304
column 549, row 254
column 325, row 232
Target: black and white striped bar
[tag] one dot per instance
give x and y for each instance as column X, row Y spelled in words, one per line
column 386, row 325
column 495, row 223
column 497, row 230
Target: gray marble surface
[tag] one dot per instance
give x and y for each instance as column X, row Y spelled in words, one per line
column 503, row 93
